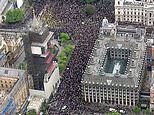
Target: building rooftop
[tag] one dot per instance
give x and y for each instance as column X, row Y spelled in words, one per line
column 102, row 68
column 35, row 103
column 133, row 2
column 9, row 72
column 16, row 76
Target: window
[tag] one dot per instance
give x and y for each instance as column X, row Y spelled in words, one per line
column 118, row 2
column 150, row 14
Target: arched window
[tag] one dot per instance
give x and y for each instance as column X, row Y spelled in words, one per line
column 118, row 2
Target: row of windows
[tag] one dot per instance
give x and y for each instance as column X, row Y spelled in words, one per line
column 133, row 17
column 133, row 9
column 132, row 13
column 4, row 81
column 111, row 92
column 123, row 56
column 6, row 86
column 136, row 20
column 5, row 90
column 116, row 95
column 112, row 52
column 112, row 98
column 105, row 89
column 128, row 102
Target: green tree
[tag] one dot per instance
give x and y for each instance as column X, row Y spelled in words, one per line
column 90, row 9
column 64, row 37
column 112, row 113
column 147, row 111
column 62, row 56
column 136, row 110
column 31, row 112
column 61, row 67
column 68, row 49
column 14, row 16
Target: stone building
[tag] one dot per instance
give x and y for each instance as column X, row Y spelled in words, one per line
column 115, row 69
column 11, row 48
column 140, row 11
column 13, row 90
column 40, row 53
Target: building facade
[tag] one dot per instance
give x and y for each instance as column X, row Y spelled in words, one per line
column 115, row 69
column 40, row 52
column 139, row 11
column 11, row 49
column 13, row 90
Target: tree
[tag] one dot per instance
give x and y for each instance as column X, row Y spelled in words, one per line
column 90, row 9
column 61, row 67
column 68, row 49
column 136, row 110
column 64, row 37
column 115, row 113
column 112, row 113
column 147, row 111
column 14, row 16
column 31, row 112
column 62, row 56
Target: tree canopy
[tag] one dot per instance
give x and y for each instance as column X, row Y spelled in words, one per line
column 64, row 37
column 136, row 110
column 68, row 49
column 14, row 15
column 147, row 111
column 64, row 56
column 31, row 112
column 90, row 9
column 112, row 113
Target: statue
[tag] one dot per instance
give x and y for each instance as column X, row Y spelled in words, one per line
column 104, row 22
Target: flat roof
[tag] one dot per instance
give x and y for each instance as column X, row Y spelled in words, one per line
column 10, row 72
column 45, row 42
column 35, row 102
column 94, row 72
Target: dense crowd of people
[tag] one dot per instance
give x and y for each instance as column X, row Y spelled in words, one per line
column 84, row 31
